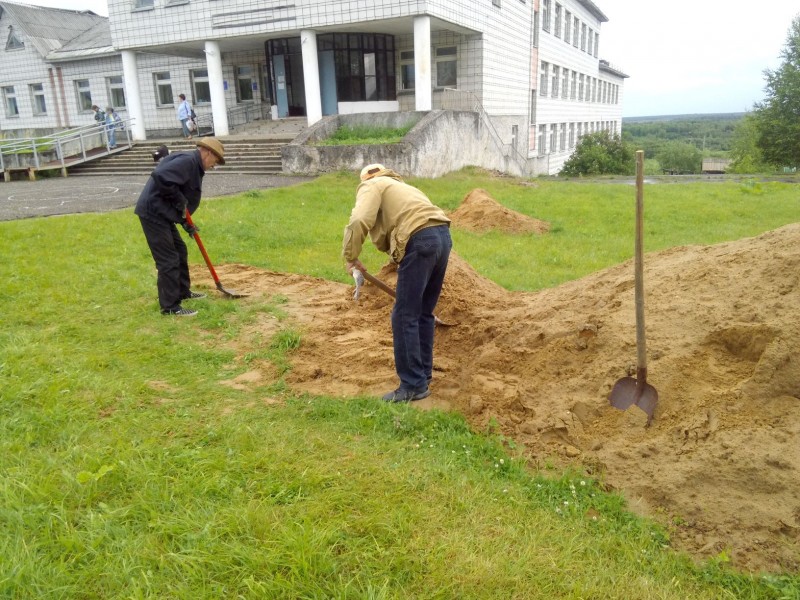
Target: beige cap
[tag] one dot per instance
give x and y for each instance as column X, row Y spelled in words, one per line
column 213, row 144
column 371, row 171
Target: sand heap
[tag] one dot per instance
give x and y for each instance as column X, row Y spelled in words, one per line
column 480, row 212
column 720, row 464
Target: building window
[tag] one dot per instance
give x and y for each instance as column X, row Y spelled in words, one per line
column 37, row 99
column 84, row 94
column 576, row 28
column 562, row 145
column 163, row 85
column 407, row 70
column 13, row 42
column 572, row 135
column 557, row 24
column 556, row 77
column 201, row 91
column 590, row 42
column 496, row 3
column 580, row 88
column 10, row 101
column 447, row 66
column 542, row 141
column 143, row 3
column 553, row 137
column 583, row 37
column 354, row 53
column 596, row 43
column 244, row 84
column 567, row 26
column 533, row 107
column 116, row 91
column 574, row 88
column 545, row 15
column 565, row 83
column 543, row 78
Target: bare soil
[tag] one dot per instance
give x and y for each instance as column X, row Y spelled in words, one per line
column 719, row 464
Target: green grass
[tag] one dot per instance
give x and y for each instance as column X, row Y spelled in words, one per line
column 346, row 135
column 128, row 471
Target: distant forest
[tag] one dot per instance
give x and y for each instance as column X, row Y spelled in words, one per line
column 711, row 134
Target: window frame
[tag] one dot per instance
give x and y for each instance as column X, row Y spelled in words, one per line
column 83, row 94
column 446, row 59
column 114, row 88
column 164, row 83
column 545, row 10
column 37, row 94
column 9, row 101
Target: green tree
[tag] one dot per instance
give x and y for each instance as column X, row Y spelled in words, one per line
column 778, row 116
column 745, row 152
column 600, row 153
column 680, row 157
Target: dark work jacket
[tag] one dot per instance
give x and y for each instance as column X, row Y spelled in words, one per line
column 174, row 185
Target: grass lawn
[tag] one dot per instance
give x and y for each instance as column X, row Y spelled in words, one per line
column 128, row 471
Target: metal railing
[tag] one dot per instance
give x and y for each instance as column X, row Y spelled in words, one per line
column 62, row 149
column 464, row 100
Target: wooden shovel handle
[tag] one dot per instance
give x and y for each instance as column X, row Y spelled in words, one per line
column 378, row 283
column 641, row 347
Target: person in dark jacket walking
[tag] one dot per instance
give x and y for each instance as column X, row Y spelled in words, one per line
column 174, row 187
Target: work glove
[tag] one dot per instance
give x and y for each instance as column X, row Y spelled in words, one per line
column 190, row 229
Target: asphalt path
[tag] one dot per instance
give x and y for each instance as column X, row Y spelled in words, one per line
column 62, row 196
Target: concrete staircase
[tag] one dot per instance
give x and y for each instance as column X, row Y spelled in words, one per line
column 254, row 149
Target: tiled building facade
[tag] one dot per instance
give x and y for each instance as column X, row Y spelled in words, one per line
column 532, row 66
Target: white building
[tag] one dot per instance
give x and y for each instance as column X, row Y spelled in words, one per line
column 533, row 70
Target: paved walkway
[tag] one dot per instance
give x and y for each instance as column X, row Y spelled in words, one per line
column 61, row 196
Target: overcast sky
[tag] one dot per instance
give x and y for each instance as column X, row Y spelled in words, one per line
column 683, row 56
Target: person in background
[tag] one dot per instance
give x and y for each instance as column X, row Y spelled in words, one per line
column 99, row 115
column 175, row 186
column 402, row 222
column 113, row 122
column 184, row 114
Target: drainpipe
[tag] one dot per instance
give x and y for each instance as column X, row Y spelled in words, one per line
column 63, row 97
column 308, row 43
column 422, row 63
column 55, row 95
column 219, row 111
column 133, row 96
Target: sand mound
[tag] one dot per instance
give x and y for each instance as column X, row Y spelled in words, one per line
column 719, row 464
column 480, row 212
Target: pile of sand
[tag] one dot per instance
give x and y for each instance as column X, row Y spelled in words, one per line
column 480, row 212
column 719, row 464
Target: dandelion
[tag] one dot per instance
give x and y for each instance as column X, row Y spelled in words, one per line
column 502, row 462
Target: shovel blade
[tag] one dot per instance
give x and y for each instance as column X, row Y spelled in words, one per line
column 230, row 293
column 629, row 391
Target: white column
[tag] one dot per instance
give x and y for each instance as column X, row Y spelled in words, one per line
column 423, row 83
column 308, row 43
column 133, row 96
column 219, row 111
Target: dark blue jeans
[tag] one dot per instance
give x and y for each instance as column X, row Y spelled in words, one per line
column 419, row 283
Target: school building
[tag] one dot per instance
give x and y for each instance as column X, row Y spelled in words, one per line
column 532, row 69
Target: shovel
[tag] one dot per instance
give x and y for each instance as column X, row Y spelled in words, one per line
column 220, row 287
column 378, row 283
column 628, row 391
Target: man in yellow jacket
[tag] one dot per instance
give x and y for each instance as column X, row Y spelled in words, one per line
column 402, row 222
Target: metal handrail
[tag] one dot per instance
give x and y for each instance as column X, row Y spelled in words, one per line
column 58, row 142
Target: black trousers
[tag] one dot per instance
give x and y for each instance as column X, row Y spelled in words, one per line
column 169, row 252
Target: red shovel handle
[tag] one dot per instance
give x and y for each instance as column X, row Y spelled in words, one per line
column 196, row 237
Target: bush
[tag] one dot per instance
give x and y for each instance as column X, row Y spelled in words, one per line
column 600, row 153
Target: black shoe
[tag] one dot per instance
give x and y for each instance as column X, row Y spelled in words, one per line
column 180, row 312
column 196, row 295
column 401, row 395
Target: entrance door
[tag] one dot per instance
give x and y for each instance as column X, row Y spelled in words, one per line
column 327, row 82
column 282, row 98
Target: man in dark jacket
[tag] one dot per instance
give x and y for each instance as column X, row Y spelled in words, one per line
column 174, row 187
